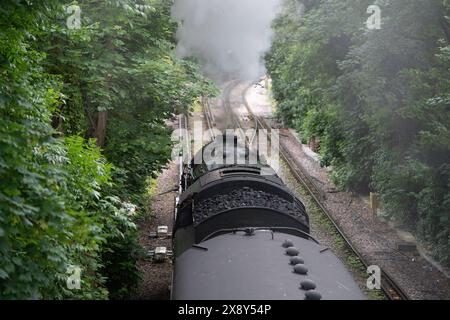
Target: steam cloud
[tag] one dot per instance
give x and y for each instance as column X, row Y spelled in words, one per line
column 228, row 37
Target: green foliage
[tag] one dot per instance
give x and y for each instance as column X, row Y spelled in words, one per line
column 29, row 244
column 141, row 149
column 62, row 198
column 101, row 220
column 121, row 63
column 378, row 101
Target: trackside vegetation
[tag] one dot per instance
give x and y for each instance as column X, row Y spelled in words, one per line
column 85, row 90
column 377, row 101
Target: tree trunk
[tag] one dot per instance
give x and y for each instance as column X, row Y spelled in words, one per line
column 100, row 128
column 314, row 144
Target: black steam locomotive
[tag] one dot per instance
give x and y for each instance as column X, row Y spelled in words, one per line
column 241, row 234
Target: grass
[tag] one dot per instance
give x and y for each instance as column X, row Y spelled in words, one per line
column 151, row 191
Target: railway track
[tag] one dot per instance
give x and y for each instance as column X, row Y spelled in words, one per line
column 209, row 117
column 233, row 120
column 388, row 285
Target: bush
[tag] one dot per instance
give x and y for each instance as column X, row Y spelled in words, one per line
column 378, row 101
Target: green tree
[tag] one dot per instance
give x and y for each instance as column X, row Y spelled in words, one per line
column 114, row 80
column 377, row 100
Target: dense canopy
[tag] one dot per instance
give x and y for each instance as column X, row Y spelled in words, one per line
column 376, row 99
column 76, row 78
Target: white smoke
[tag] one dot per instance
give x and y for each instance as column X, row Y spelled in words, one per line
column 228, row 37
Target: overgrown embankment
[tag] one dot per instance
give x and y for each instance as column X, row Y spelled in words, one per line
column 374, row 102
column 84, row 95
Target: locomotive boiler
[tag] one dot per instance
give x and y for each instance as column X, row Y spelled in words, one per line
column 241, row 234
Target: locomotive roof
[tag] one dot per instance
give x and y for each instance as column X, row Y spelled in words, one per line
column 241, row 267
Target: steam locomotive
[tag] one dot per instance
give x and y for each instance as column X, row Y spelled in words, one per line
column 241, row 234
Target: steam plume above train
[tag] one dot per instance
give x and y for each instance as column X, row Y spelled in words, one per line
column 227, row 37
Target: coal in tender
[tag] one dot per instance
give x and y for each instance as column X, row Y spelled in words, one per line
column 246, row 197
